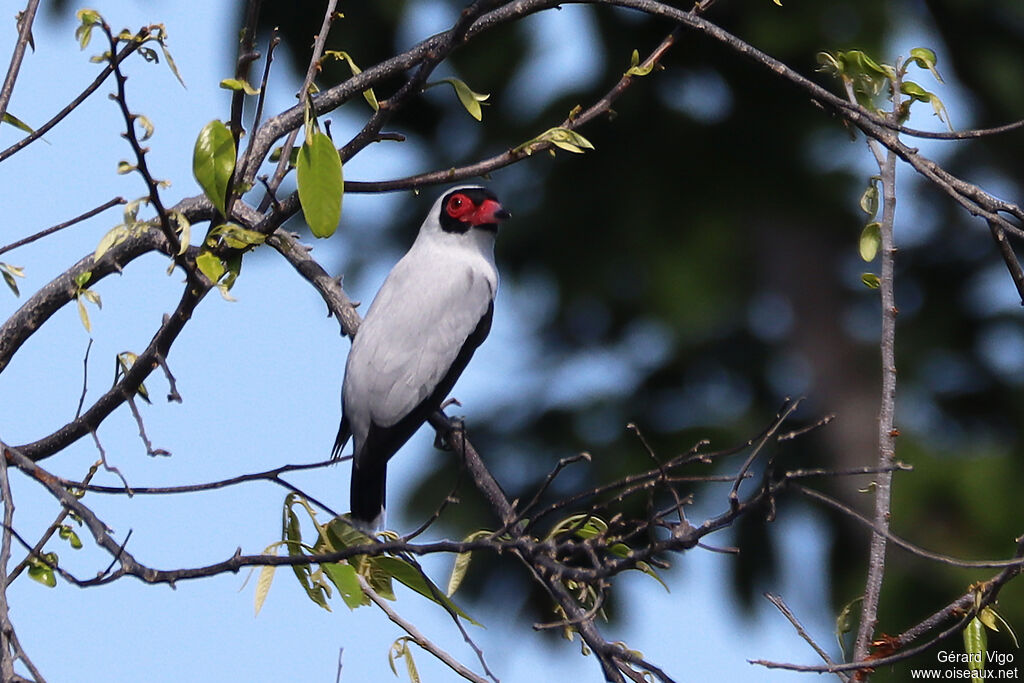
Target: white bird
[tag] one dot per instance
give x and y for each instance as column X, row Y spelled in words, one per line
column 422, row 328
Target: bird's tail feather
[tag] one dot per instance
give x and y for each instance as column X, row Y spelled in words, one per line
column 344, row 432
column 369, row 483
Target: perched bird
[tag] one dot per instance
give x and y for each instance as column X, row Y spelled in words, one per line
column 422, row 328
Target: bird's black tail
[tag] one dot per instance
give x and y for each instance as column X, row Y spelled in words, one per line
column 369, row 482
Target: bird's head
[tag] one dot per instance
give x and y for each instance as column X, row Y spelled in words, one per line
column 462, row 209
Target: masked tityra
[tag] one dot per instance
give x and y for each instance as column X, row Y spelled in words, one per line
column 422, row 328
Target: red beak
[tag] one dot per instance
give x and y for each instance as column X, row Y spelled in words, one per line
column 490, row 212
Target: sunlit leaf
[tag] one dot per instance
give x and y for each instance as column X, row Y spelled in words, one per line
column 869, row 200
column 461, row 565
column 410, row 576
column 264, row 580
column 400, row 650
column 919, row 94
column 184, row 230
column 10, row 272
column 41, row 571
column 993, row 620
column 926, row 59
column 239, row 84
column 321, row 186
column 16, row 122
column 83, row 314
column 237, row 237
column 210, row 265
column 114, row 236
column 634, row 66
column 368, row 94
column 975, row 644
column 125, row 360
column 92, row 297
column 870, row 241
column 470, row 100
column 87, row 18
column 649, row 570
column 170, row 63
column 147, row 126
column 213, row 162
column 345, row 578
column 68, row 534
column 563, row 138
column 871, row 281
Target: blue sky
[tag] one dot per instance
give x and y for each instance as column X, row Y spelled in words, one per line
column 260, row 379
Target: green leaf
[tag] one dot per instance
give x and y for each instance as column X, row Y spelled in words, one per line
column 368, row 94
column 184, row 230
column 87, row 18
column 92, row 297
column 42, row 571
column 844, row 623
column 292, row 535
column 210, row 265
column 993, row 620
column 83, row 278
column 321, row 185
column 869, row 200
column 828, row 63
column 400, row 650
column 125, row 360
column 213, row 162
column 563, row 138
column 470, row 100
column 634, row 66
column 114, row 236
column 147, row 126
column 10, row 272
column 237, row 237
column 870, row 241
column 170, row 60
column 125, row 167
column 345, row 578
column 461, row 565
column 239, row 84
column 919, row 94
column 858, row 61
column 68, row 534
column 264, row 580
column 649, row 570
column 83, row 314
column 975, row 645
column 925, row 59
column 410, row 576
column 870, row 280
column 17, row 123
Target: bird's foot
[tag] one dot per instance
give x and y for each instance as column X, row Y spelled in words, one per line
column 456, row 425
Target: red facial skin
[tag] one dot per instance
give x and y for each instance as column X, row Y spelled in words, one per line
column 462, row 208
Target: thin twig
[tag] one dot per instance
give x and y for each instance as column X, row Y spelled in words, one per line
column 60, row 226
column 781, row 605
column 887, row 401
column 417, row 636
column 25, row 20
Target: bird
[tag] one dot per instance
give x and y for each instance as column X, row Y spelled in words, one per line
column 432, row 312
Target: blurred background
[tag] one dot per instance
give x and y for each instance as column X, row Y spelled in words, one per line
column 689, row 274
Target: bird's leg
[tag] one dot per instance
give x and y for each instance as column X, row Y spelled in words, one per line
column 456, row 425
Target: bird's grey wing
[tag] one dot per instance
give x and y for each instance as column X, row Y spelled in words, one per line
column 414, row 334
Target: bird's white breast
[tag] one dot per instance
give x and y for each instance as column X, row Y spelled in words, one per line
column 429, row 304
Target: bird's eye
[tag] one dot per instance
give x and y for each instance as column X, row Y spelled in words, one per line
column 458, row 205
